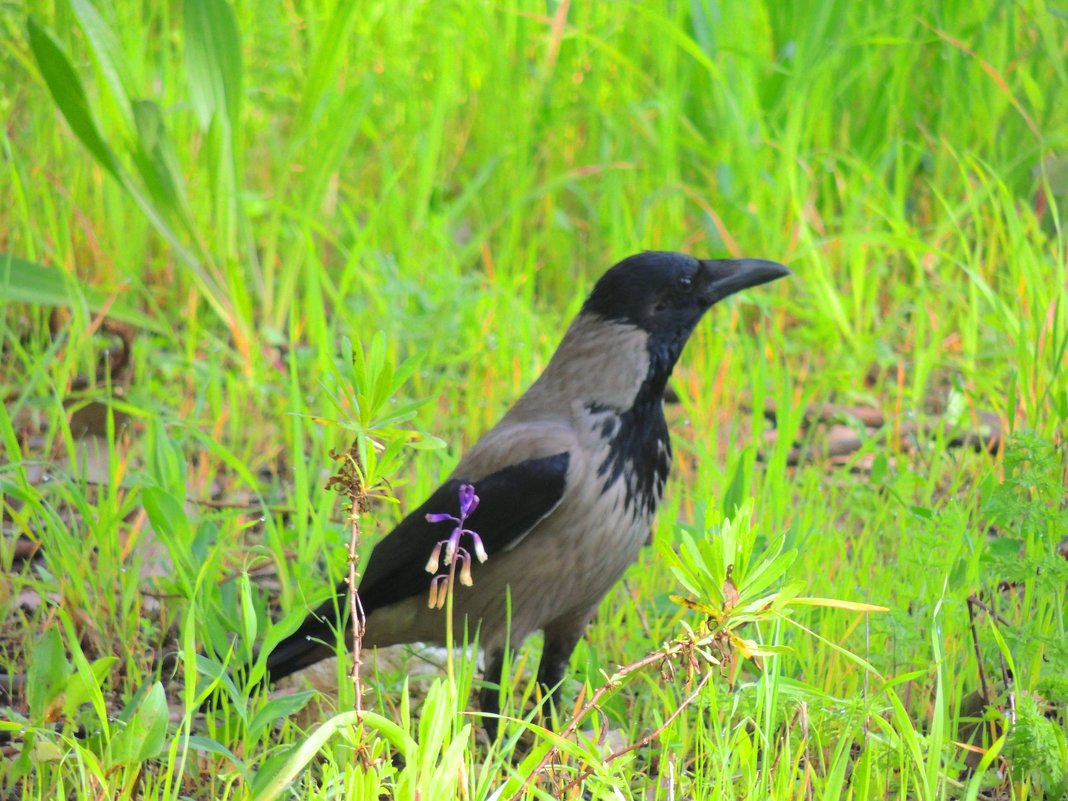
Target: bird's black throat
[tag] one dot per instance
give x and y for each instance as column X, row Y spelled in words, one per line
column 638, row 447
column 638, row 452
column 638, row 441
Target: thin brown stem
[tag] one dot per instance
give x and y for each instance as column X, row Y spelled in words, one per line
column 987, row 697
column 672, row 650
column 974, row 600
column 644, row 741
column 355, row 608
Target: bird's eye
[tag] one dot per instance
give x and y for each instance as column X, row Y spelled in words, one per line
column 685, row 282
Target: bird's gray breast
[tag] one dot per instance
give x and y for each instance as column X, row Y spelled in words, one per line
column 613, row 498
column 591, row 539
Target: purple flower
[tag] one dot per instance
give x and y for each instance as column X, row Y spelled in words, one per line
column 453, row 550
column 468, row 501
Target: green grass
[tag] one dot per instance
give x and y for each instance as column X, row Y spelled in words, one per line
column 248, row 186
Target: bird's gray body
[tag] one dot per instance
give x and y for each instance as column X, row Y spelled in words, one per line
column 599, row 525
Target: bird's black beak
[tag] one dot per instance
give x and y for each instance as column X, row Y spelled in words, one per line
column 724, row 277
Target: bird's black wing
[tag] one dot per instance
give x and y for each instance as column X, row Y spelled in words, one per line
column 511, row 502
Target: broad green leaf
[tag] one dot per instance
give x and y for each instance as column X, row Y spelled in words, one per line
column 767, row 573
column 47, row 674
column 213, row 60
column 47, row 750
column 450, row 765
column 921, row 512
column 768, row 602
column 405, row 371
column 157, row 163
column 150, row 723
column 276, row 709
column 426, row 442
column 85, row 670
column 107, row 54
column 249, row 622
column 879, row 467
column 755, row 648
column 145, row 729
column 23, row 281
column 263, row 783
column 1003, row 648
column 979, row 776
column 69, row 94
column 396, row 734
column 78, row 689
column 167, row 516
column 400, row 412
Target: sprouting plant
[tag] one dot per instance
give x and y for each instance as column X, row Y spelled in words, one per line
column 1038, row 749
column 380, row 437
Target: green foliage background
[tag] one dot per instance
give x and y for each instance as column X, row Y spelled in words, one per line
column 248, row 184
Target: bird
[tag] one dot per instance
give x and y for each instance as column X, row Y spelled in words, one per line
column 561, row 493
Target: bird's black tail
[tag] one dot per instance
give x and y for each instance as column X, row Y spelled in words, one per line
column 312, row 642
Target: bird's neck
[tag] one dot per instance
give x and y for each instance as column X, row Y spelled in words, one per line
column 609, row 364
column 609, row 379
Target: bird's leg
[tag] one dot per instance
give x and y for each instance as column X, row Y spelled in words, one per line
column 561, row 637
column 489, row 698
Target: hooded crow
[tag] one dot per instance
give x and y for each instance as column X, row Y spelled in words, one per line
column 567, row 482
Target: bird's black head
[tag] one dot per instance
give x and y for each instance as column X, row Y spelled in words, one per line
column 666, row 294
